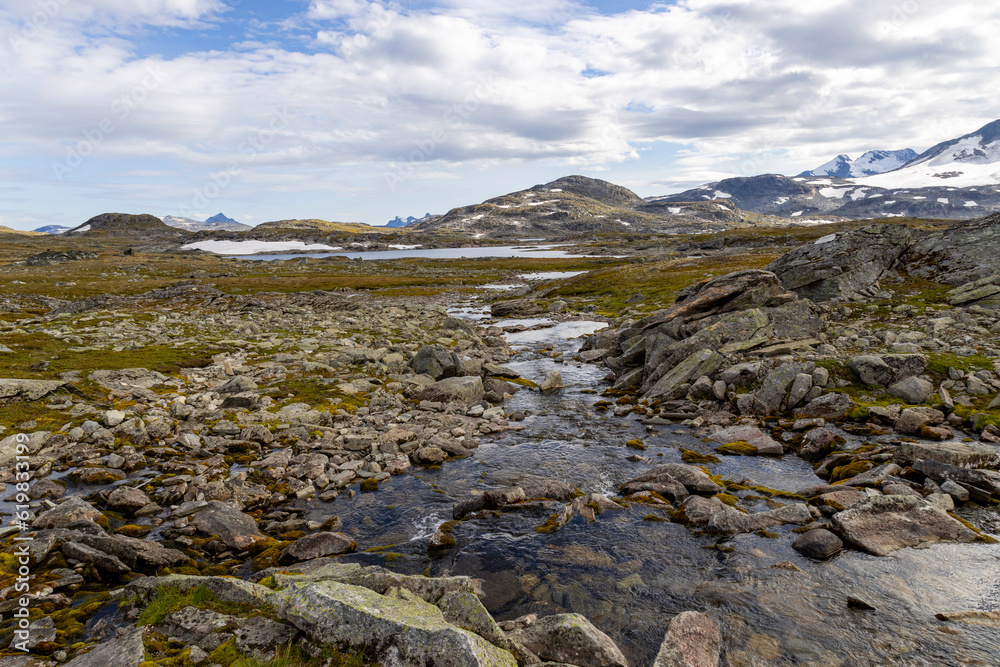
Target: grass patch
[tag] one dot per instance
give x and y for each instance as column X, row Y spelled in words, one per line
column 168, row 599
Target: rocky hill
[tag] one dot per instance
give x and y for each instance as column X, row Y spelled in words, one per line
column 142, row 227
column 211, row 224
column 580, row 205
column 19, row 232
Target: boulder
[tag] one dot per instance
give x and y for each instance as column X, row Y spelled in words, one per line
column 69, row 511
column 961, row 454
column 675, row 480
column 460, row 389
column 764, row 443
column 570, row 639
column 818, row 442
column 128, row 378
column 818, row 543
column 887, row 369
column 772, row 396
column 692, row 640
column 127, row 500
column 553, row 382
column 912, row 419
column 25, row 391
column 883, row 524
column 832, row 406
column 394, row 630
column 234, row 528
column 702, row 362
column 842, row 264
column 963, row 253
column 730, row 521
column 912, row 390
column 435, row 361
column 317, row 545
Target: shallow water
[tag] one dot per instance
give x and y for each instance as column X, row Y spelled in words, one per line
column 630, row 575
column 533, row 251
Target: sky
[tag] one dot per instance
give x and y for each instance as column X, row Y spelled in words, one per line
column 358, row 111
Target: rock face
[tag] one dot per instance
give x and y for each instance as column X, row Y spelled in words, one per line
column 883, row 524
column 692, row 640
column 571, row 639
column 842, row 264
column 961, row 254
column 403, row 631
column 124, row 651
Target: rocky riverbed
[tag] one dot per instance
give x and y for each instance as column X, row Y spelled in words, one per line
column 741, row 477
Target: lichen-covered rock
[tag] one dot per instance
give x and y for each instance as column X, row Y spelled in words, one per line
column 832, row 406
column 962, row 253
column 435, row 361
column 764, row 444
column 410, row 631
column 233, row 527
column 73, row 509
column 961, row 454
column 570, row 639
column 692, row 640
column 842, row 264
column 702, row 362
column 460, row 389
column 886, row 369
column 674, row 480
column 883, row 524
column 124, row 651
column 317, row 545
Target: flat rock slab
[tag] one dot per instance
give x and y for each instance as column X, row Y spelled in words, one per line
column 571, row 639
column 883, row 524
column 960, row 454
column 410, row 632
column 236, row 529
column 124, row 651
column 16, row 390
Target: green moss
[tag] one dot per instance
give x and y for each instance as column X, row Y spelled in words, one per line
column 636, row 444
column 368, row 485
column 850, row 470
column 732, row 501
column 655, row 518
column 689, row 456
column 738, row 448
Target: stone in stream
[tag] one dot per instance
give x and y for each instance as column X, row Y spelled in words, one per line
column 692, row 640
column 764, row 444
column 818, row 543
column 69, row 511
column 127, row 499
column 553, row 382
column 462, row 389
column 317, row 545
column 883, row 524
column 234, row 528
column 674, row 480
column 570, row 639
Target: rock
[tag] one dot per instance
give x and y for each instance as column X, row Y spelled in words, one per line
column 238, row 385
column 900, row 490
column 236, row 529
column 461, row 389
column 258, row 637
column 692, row 640
column 553, row 382
column 124, row 651
column 843, row 265
column 772, row 396
column 817, row 443
column 912, row 390
column 801, row 387
column 113, row 418
column 71, row 510
column 25, row 391
column 317, row 545
column 841, row 498
column 702, row 362
column 875, row 476
column 961, row 454
column 398, row 631
column 962, row 253
column 884, row 370
column 957, row 492
column 128, row 378
column 464, row 610
column 516, row 308
column 570, row 639
column 911, row 419
column 191, row 624
column 990, row 619
column 674, row 480
column 435, row 361
column 883, row 524
column 730, row 521
column 103, row 561
column 127, row 500
column 942, row 500
column 981, row 484
column 765, row 445
column 430, row 455
column 832, row 406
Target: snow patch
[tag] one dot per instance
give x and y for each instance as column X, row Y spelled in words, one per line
column 970, row 204
column 942, row 200
column 398, row 246
column 719, row 194
column 797, row 214
column 85, row 228
column 674, row 210
column 834, row 193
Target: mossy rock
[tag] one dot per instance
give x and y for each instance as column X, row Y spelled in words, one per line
column 732, row 501
column 368, row 485
column 738, row 448
column 849, row 470
column 133, row 530
column 689, row 456
column 636, row 444
column 654, row 518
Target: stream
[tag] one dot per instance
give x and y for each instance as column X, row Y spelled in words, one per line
column 630, row 573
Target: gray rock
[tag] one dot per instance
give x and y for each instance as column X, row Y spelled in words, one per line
column 461, row 389
column 127, row 499
column 912, row 390
column 843, row 265
column 317, row 545
column 192, row 624
column 884, row 370
column 817, row 443
column 772, row 397
column 702, row 362
column 69, row 511
column 692, row 640
column 435, row 361
column 236, row 529
column 730, row 521
column 553, row 382
column 954, row 490
column 17, row 390
column 675, row 480
column 124, row 651
column 238, row 385
column 259, row 637
column 883, row 524
column 113, row 418
column 801, row 387
column 962, row 253
column 570, row 639
column 127, row 378
column 764, row 443
column 911, row 419
column 961, row 454
column 410, row 631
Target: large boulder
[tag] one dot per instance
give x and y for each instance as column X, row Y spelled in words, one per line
column 883, row 524
column 234, row 528
column 675, row 480
column 394, row 630
column 842, row 264
column 749, row 433
column 317, row 545
column 887, row 369
column 912, row 390
column 702, row 362
column 692, row 640
column 960, row 454
column 963, row 253
column 570, row 639
column 460, row 389
column 25, row 391
column 435, row 361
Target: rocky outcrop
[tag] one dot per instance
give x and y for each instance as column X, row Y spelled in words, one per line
column 843, row 264
column 569, row 639
column 962, row 254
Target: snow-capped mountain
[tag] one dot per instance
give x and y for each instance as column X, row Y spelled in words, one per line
column 410, row 220
column 215, row 223
column 52, row 229
column 957, row 179
column 869, row 164
column 971, row 160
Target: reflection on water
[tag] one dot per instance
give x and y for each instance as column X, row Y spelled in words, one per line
column 532, row 251
column 631, row 575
